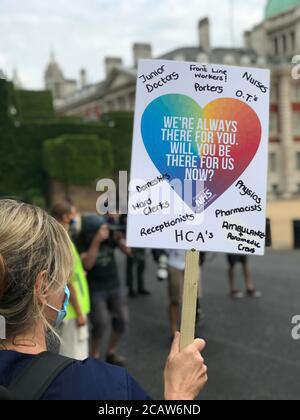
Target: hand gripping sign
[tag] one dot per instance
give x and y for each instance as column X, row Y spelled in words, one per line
column 199, row 159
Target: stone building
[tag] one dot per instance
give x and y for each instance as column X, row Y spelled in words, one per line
column 117, row 91
column 277, row 40
column 55, row 81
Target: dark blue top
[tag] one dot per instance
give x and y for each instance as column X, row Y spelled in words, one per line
column 87, row 380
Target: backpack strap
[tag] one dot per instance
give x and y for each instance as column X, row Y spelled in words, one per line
column 36, row 378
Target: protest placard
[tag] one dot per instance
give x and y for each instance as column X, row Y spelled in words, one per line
column 199, row 164
column 199, row 159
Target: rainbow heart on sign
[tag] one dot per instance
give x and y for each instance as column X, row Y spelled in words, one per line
column 233, row 115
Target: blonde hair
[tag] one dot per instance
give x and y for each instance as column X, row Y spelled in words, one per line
column 31, row 242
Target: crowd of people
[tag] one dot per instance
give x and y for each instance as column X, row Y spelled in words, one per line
column 97, row 295
column 59, row 278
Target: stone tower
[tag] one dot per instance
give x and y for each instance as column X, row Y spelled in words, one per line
column 54, row 78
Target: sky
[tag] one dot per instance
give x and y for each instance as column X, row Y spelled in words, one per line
column 83, row 32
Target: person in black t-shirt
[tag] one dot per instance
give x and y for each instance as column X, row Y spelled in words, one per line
column 107, row 298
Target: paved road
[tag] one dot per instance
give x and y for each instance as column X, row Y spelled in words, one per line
column 250, row 352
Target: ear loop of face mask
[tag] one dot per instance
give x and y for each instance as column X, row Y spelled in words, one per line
column 61, row 313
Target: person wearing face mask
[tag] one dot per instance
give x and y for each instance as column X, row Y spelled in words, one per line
column 36, row 265
column 74, row 330
column 61, row 313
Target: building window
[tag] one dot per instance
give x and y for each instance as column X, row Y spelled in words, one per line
column 275, row 189
column 293, row 41
column 276, row 47
column 179, row 57
column 202, row 58
column 245, row 60
column 229, row 59
column 296, row 122
column 261, row 61
column 284, row 44
column 298, row 161
column 296, row 93
column 273, row 123
column 104, row 107
column 273, row 162
column 116, row 104
column 274, row 92
column 121, row 103
column 110, row 107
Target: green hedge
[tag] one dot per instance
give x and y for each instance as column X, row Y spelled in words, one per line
column 34, row 105
column 120, row 130
column 8, row 177
column 27, row 120
column 30, row 139
column 78, row 159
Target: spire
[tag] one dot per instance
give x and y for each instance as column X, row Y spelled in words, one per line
column 52, row 57
column 53, row 71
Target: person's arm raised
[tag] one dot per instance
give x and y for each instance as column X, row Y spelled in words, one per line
column 185, row 373
column 121, row 243
column 90, row 256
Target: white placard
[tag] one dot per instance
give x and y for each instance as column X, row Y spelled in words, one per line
column 199, row 158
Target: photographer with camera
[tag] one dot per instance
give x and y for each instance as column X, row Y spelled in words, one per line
column 97, row 244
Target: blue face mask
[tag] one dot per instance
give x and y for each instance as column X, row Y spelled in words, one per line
column 61, row 313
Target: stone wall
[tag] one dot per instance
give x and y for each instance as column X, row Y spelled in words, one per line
column 282, row 215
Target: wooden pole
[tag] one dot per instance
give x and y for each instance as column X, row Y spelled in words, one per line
column 190, row 293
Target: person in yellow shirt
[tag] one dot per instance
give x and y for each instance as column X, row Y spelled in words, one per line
column 74, row 332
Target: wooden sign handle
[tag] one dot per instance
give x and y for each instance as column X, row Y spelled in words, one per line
column 190, row 293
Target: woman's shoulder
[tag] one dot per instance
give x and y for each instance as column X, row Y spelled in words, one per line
column 92, row 379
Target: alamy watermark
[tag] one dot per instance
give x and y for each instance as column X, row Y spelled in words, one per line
column 2, row 328
column 296, row 328
column 160, row 194
column 296, row 67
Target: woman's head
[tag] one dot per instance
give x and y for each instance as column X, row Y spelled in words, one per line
column 64, row 212
column 35, row 266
